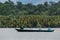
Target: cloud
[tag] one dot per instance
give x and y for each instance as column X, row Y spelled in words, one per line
column 30, row 1
column 3, row 1
column 36, row 1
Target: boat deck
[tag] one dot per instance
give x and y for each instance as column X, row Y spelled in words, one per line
column 25, row 30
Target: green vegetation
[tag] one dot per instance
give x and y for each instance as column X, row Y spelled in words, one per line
column 29, row 15
column 29, row 21
column 9, row 8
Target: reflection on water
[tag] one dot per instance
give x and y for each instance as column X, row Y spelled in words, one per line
column 12, row 34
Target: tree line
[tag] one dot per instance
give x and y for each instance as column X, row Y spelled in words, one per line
column 29, row 21
column 29, row 15
column 9, row 8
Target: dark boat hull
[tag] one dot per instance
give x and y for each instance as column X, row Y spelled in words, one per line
column 19, row 30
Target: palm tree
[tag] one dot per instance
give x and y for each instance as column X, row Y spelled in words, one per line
column 39, row 25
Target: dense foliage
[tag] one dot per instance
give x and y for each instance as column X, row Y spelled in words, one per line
column 29, row 15
column 9, row 8
column 29, row 21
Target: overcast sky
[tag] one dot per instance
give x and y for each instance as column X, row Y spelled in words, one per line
column 30, row 1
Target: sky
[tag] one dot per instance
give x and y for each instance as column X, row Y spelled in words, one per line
column 30, row 1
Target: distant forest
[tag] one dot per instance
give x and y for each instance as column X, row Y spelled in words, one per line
column 29, row 15
column 9, row 8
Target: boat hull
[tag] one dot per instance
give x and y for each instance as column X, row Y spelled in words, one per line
column 19, row 30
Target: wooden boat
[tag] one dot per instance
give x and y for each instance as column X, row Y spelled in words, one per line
column 22, row 30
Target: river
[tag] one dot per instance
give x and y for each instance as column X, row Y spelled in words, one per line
column 12, row 34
